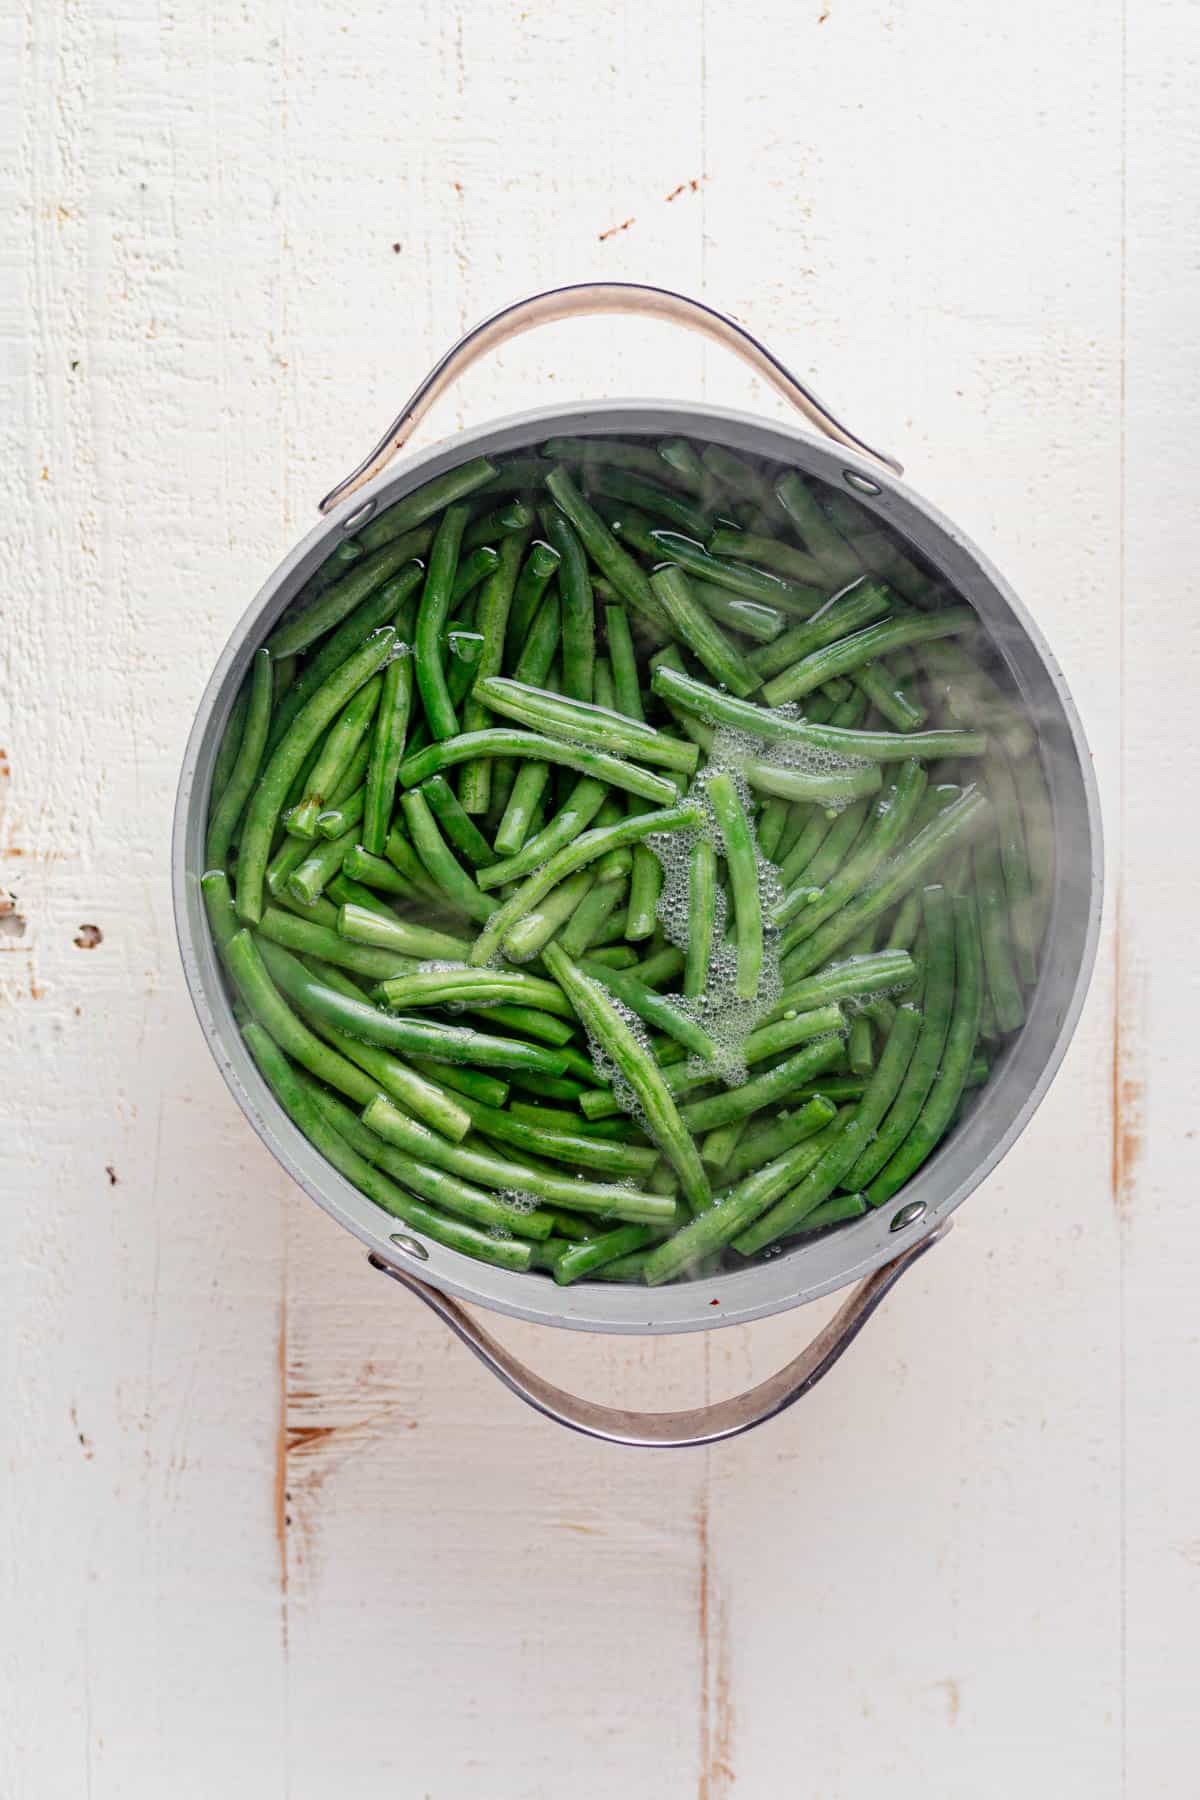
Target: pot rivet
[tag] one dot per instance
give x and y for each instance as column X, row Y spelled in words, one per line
column 411, row 1246
column 358, row 517
column 907, row 1215
column 860, row 483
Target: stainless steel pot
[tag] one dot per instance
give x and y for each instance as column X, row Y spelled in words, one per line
column 872, row 1252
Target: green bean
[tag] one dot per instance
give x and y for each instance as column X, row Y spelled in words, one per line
column 766, row 1143
column 882, row 972
column 576, row 813
column 437, row 1186
column 337, row 819
column 972, row 697
column 772, row 554
column 580, row 722
column 536, row 572
column 447, row 986
column 379, row 608
column 474, row 1083
column 891, row 882
column 742, row 863
column 246, row 958
column 763, row 1090
column 475, row 782
column 795, row 784
column 602, row 1198
column 1014, row 861
column 558, row 1122
column 834, row 1211
column 653, row 1008
column 518, row 474
column 309, row 1111
column 938, row 1004
column 306, row 937
column 740, row 578
column 682, row 465
column 359, row 866
column 947, row 1086
column 702, row 634
column 750, row 618
column 232, row 799
column 589, row 846
column 577, row 605
column 476, row 566
column 580, row 1260
column 456, row 822
column 526, row 1023
column 509, row 519
column 888, row 698
column 875, row 549
column 856, row 606
column 702, row 916
column 420, row 1095
column 400, row 935
column 823, row 542
column 415, row 508
column 299, row 630
column 851, row 1139
column 341, row 743
column 531, row 934
column 619, row 484
column 611, row 453
column 893, row 814
column 272, row 787
column 720, row 1143
column 387, row 751
column 609, row 556
column 552, row 1087
column 772, row 823
column 859, row 1050
column 230, row 744
column 340, row 559
column 528, row 789
column 846, row 832
column 452, row 879
column 805, row 845
column 905, row 923
column 432, row 615
column 309, row 879
column 850, row 653
column 581, row 929
column 582, row 1148
column 504, row 742
column 222, row 914
column 1003, row 984
column 441, row 1043
column 743, row 481
column 710, row 1231
column 605, row 1024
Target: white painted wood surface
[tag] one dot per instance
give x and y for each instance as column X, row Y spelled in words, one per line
column 267, row 1530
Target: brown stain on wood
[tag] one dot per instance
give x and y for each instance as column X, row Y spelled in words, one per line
column 88, row 937
column 1128, row 1087
column 691, row 186
column 281, row 1453
column 615, row 230
column 717, row 1716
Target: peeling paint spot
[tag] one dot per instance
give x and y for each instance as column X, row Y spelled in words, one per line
column 12, row 924
column 691, row 186
column 88, row 936
column 397, row 248
column 613, row 230
column 112, row 1174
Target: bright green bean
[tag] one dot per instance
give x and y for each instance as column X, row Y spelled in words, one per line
column 415, row 508
column 850, row 653
column 503, row 742
column 432, row 615
column 228, row 809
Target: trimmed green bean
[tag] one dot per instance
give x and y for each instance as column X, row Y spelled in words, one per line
column 456, row 822
column 529, row 744
column 387, row 751
column 229, row 806
column 850, row 653
column 448, row 986
column 537, row 571
column 947, row 1086
column 580, row 1260
column 342, row 741
column 893, row 814
column 577, row 1147
column 702, row 634
column 268, row 797
column 589, row 846
column 604, row 1199
column 432, row 615
column 306, row 937
column 589, row 918
column 452, row 879
column 495, row 601
column 771, row 554
column 309, row 879
column 415, row 508
column 823, row 541
column 615, row 1037
column 1014, row 861
column 610, row 557
column 742, row 863
column 581, row 722
column 777, row 1084
column 851, row 1139
column 652, row 1008
column 576, row 813
column 740, row 578
column 402, row 935
column 710, row 1231
column 1003, row 984
column 299, row 630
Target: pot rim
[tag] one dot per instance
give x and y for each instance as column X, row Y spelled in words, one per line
column 801, row 1274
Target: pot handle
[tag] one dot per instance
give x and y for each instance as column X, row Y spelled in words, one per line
column 673, row 1430
column 577, row 300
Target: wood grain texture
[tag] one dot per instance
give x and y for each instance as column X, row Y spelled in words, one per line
column 268, row 1530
